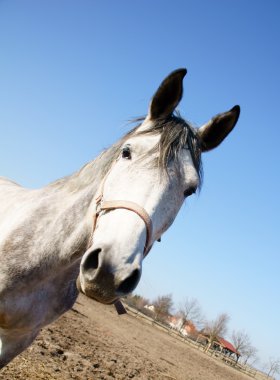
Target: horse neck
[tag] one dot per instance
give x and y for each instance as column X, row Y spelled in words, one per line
column 88, row 178
column 73, row 205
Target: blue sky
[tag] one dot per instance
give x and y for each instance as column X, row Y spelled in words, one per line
column 72, row 73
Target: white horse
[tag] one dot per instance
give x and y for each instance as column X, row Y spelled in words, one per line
column 92, row 230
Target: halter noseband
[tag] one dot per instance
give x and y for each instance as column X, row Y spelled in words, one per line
column 102, row 205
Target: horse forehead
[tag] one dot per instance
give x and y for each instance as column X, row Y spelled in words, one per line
column 147, row 141
column 188, row 169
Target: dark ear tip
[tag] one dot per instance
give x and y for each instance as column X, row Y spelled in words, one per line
column 236, row 110
column 181, row 72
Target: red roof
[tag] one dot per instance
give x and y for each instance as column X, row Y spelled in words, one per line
column 228, row 346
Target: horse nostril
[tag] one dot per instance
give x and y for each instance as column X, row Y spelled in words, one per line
column 129, row 283
column 92, row 260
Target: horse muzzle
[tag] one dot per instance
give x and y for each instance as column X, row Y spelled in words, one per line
column 99, row 279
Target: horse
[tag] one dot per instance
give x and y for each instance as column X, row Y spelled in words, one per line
column 90, row 231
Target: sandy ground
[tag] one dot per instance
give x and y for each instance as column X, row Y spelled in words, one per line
column 92, row 342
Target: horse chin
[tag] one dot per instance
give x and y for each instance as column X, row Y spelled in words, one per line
column 101, row 299
column 91, row 292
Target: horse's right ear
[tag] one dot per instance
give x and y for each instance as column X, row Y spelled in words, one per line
column 168, row 95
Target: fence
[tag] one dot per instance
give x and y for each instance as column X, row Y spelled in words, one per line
column 246, row 369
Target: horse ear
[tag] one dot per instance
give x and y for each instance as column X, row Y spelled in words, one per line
column 168, row 95
column 216, row 130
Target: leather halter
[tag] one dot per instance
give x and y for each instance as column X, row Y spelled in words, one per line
column 102, row 205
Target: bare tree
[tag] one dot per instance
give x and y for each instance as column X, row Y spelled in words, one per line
column 137, row 301
column 273, row 367
column 190, row 311
column 250, row 354
column 216, row 328
column 242, row 344
column 163, row 306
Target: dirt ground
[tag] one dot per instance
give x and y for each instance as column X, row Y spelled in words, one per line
column 92, row 342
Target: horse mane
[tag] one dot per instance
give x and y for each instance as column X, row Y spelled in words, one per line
column 175, row 134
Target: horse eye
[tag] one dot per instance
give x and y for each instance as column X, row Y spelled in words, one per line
column 126, row 153
column 189, row 192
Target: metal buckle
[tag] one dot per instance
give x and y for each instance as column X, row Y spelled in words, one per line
column 98, row 207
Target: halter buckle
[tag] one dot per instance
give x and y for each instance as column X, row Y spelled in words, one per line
column 98, row 208
column 98, row 204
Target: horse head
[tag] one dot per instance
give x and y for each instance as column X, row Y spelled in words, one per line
column 155, row 167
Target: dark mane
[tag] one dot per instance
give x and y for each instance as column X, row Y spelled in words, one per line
column 176, row 134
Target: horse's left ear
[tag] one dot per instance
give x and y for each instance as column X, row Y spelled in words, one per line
column 168, row 95
column 217, row 129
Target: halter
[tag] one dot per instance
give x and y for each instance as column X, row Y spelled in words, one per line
column 102, row 205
